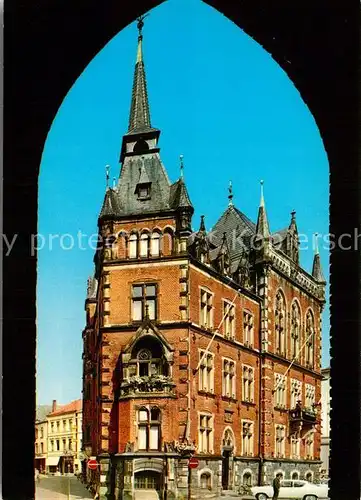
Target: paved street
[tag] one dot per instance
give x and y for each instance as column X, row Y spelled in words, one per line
column 61, row 488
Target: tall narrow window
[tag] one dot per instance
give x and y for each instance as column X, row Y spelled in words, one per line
column 133, row 246
column 206, row 372
column 144, row 245
column 295, row 331
column 280, row 390
column 247, row 438
column 229, row 319
column 280, row 317
column 310, row 336
column 296, row 392
column 295, row 447
column 206, row 318
column 247, row 383
column 144, row 295
column 149, row 429
column 205, row 438
column 229, row 378
column 155, row 245
column 309, row 445
column 248, row 328
column 280, row 440
column 52, row 445
column 309, row 396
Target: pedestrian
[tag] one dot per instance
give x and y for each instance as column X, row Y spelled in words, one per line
column 276, row 486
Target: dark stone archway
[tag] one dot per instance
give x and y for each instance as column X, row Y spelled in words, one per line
column 48, row 44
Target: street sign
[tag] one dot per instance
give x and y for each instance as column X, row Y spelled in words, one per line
column 193, row 463
column 92, row 464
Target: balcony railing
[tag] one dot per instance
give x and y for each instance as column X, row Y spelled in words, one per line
column 160, row 384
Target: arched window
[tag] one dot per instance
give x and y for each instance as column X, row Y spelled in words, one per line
column 141, row 146
column 280, row 322
column 133, row 246
column 149, row 429
column 310, row 338
column 309, row 476
column 148, row 359
column 168, row 241
column 155, row 245
column 295, row 476
column 206, row 481
column 295, row 331
column 247, row 479
column 144, row 245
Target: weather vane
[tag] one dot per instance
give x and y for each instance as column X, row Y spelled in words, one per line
column 140, row 23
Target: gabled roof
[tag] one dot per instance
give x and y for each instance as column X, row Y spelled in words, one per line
column 41, row 412
column 74, row 406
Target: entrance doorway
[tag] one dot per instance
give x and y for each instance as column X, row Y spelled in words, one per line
column 226, row 456
column 148, row 484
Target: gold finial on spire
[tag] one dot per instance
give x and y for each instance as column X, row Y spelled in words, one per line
column 230, row 196
column 107, row 170
column 181, row 166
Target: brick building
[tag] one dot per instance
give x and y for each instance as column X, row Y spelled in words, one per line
column 196, row 343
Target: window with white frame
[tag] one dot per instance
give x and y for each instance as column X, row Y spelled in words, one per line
column 280, row 436
column 309, row 440
column 205, row 438
column 206, row 312
column 310, row 338
column 206, row 371
column 295, row 447
column 280, row 322
column 155, row 245
column 296, row 392
column 149, row 429
column 247, row 437
column 229, row 378
column 133, row 246
column 248, row 328
column 144, row 245
column 144, row 300
column 280, row 388
column 229, row 319
column 247, row 383
column 309, row 396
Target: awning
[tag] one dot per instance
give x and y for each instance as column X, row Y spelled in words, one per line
column 52, row 461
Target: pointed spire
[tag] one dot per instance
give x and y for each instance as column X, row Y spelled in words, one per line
column 230, row 196
column 107, row 171
column 293, row 225
column 202, row 227
column 139, row 118
column 316, row 268
column 181, row 166
column 262, row 228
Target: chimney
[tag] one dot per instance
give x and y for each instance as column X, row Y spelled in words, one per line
column 54, row 405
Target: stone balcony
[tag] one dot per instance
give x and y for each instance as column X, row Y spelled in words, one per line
column 150, row 386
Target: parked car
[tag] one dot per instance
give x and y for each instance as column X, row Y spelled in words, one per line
column 293, row 489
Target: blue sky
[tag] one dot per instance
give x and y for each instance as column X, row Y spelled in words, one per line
column 221, row 101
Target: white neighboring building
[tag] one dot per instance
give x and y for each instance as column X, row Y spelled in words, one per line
column 325, row 425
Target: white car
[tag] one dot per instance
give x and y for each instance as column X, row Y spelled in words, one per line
column 293, row 489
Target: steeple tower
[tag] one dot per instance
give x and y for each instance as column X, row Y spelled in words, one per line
column 262, row 229
column 316, row 268
column 141, row 136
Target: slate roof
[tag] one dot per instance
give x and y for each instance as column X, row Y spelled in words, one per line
column 41, row 412
column 179, row 196
column 317, row 272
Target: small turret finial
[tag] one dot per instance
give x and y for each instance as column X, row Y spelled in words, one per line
column 316, row 244
column 107, row 170
column 230, row 195
column 181, row 166
column 140, row 23
column 262, row 196
column 114, row 182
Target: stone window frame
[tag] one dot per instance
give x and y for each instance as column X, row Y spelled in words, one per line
column 232, row 380
column 280, row 402
column 229, row 315
column 310, row 344
column 209, row 386
column 293, row 400
column 295, row 472
column 251, row 440
column 148, row 424
column 309, row 471
column 278, row 345
column 209, row 429
column 248, row 334
column 206, row 305
column 249, row 472
column 143, row 299
column 200, row 473
column 310, row 395
column 282, row 452
column 295, row 345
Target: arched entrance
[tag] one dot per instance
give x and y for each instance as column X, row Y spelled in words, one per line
column 227, row 459
column 147, row 485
